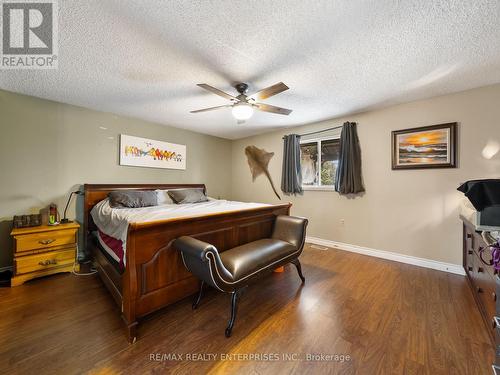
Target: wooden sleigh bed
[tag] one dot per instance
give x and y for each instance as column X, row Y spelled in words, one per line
column 155, row 276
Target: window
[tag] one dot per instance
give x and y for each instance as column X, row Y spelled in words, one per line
column 319, row 160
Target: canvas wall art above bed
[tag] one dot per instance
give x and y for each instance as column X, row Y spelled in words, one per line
column 143, row 152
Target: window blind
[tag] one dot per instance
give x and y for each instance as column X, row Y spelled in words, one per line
column 327, row 133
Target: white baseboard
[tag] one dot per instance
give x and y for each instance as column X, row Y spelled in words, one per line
column 8, row 268
column 408, row 259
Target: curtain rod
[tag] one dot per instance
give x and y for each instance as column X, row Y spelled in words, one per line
column 320, row 131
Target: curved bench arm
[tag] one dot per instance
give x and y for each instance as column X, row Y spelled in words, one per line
column 195, row 248
column 197, row 257
column 291, row 229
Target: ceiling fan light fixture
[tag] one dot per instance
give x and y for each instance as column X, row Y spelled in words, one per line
column 243, row 105
column 242, row 111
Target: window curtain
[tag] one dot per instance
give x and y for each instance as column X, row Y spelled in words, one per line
column 291, row 178
column 349, row 179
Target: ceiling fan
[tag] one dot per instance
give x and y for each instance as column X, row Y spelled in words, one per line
column 243, row 105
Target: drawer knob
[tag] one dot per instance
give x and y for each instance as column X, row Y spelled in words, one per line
column 47, row 262
column 469, row 236
column 469, row 252
column 46, row 242
column 480, row 269
column 494, row 296
column 479, row 290
column 469, row 268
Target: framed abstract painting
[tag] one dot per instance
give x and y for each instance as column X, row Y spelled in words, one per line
column 425, row 147
column 143, row 152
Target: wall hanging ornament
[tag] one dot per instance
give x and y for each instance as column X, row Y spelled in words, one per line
column 258, row 160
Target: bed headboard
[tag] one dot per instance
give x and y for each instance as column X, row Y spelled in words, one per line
column 96, row 193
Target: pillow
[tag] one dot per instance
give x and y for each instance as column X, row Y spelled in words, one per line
column 132, row 198
column 190, row 195
column 163, row 197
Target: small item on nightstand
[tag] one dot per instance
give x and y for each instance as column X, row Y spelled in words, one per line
column 65, row 220
column 24, row 221
column 53, row 214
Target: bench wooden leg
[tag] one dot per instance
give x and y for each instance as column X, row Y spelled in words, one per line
column 131, row 331
column 234, row 308
column 299, row 269
column 198, row 297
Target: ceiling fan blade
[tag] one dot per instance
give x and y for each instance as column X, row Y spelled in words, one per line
column 217, row 91
column 273, row 109
column 211, row 108
column 269, row 91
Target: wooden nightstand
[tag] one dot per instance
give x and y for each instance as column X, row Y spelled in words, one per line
column 44, row 250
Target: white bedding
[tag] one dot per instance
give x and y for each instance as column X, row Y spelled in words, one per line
column 115, row 221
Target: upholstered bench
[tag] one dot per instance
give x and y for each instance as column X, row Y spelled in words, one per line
column 233, row 269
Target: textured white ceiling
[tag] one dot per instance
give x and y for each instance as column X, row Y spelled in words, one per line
column 144, row 58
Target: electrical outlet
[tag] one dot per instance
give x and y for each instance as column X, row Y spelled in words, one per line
column 342, row 221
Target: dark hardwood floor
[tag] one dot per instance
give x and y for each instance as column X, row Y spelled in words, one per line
column 389, row 318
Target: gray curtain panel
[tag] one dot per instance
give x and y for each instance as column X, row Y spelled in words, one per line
column 291, row 178
column 349, row 179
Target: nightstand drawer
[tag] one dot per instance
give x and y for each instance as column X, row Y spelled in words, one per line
column 52, row 259
column 45, row 240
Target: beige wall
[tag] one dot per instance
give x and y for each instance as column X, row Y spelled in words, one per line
column 412, row 212
column 48, row 148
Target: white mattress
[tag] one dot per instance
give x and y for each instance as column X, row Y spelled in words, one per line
column 115, row 221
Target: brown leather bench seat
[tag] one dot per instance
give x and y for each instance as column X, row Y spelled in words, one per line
column 232, row 270
column 246, row 259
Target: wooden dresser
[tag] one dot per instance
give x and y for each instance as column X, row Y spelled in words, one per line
column 43, row 250
column 482, row 277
